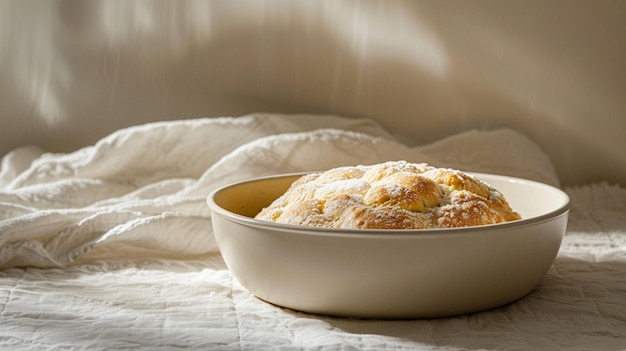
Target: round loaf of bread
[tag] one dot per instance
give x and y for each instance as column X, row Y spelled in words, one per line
column 390, row 195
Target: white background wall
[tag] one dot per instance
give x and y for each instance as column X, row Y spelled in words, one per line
column 73, row 71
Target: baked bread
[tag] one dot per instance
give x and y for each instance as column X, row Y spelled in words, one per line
column 390, row 195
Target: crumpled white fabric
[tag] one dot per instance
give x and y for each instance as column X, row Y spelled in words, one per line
column 140, row 192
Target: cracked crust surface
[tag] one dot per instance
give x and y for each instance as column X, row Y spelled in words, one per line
column 390, row 195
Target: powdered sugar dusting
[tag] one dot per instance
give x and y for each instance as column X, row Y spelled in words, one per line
column 391, row 195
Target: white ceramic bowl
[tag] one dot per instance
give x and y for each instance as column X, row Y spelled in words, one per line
column 389, row 273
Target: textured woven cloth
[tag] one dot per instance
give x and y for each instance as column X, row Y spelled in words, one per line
column 111, row 247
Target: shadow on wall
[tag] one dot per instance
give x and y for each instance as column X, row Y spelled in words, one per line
column 77, row 71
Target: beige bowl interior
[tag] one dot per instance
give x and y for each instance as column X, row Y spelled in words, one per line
column 389, row 274
column 248, row 198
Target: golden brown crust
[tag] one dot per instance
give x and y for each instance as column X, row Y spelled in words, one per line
column 390, row 195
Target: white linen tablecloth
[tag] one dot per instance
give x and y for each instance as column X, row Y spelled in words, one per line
column 111, row 247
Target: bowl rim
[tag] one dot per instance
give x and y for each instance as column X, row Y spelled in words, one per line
column 306, row 230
